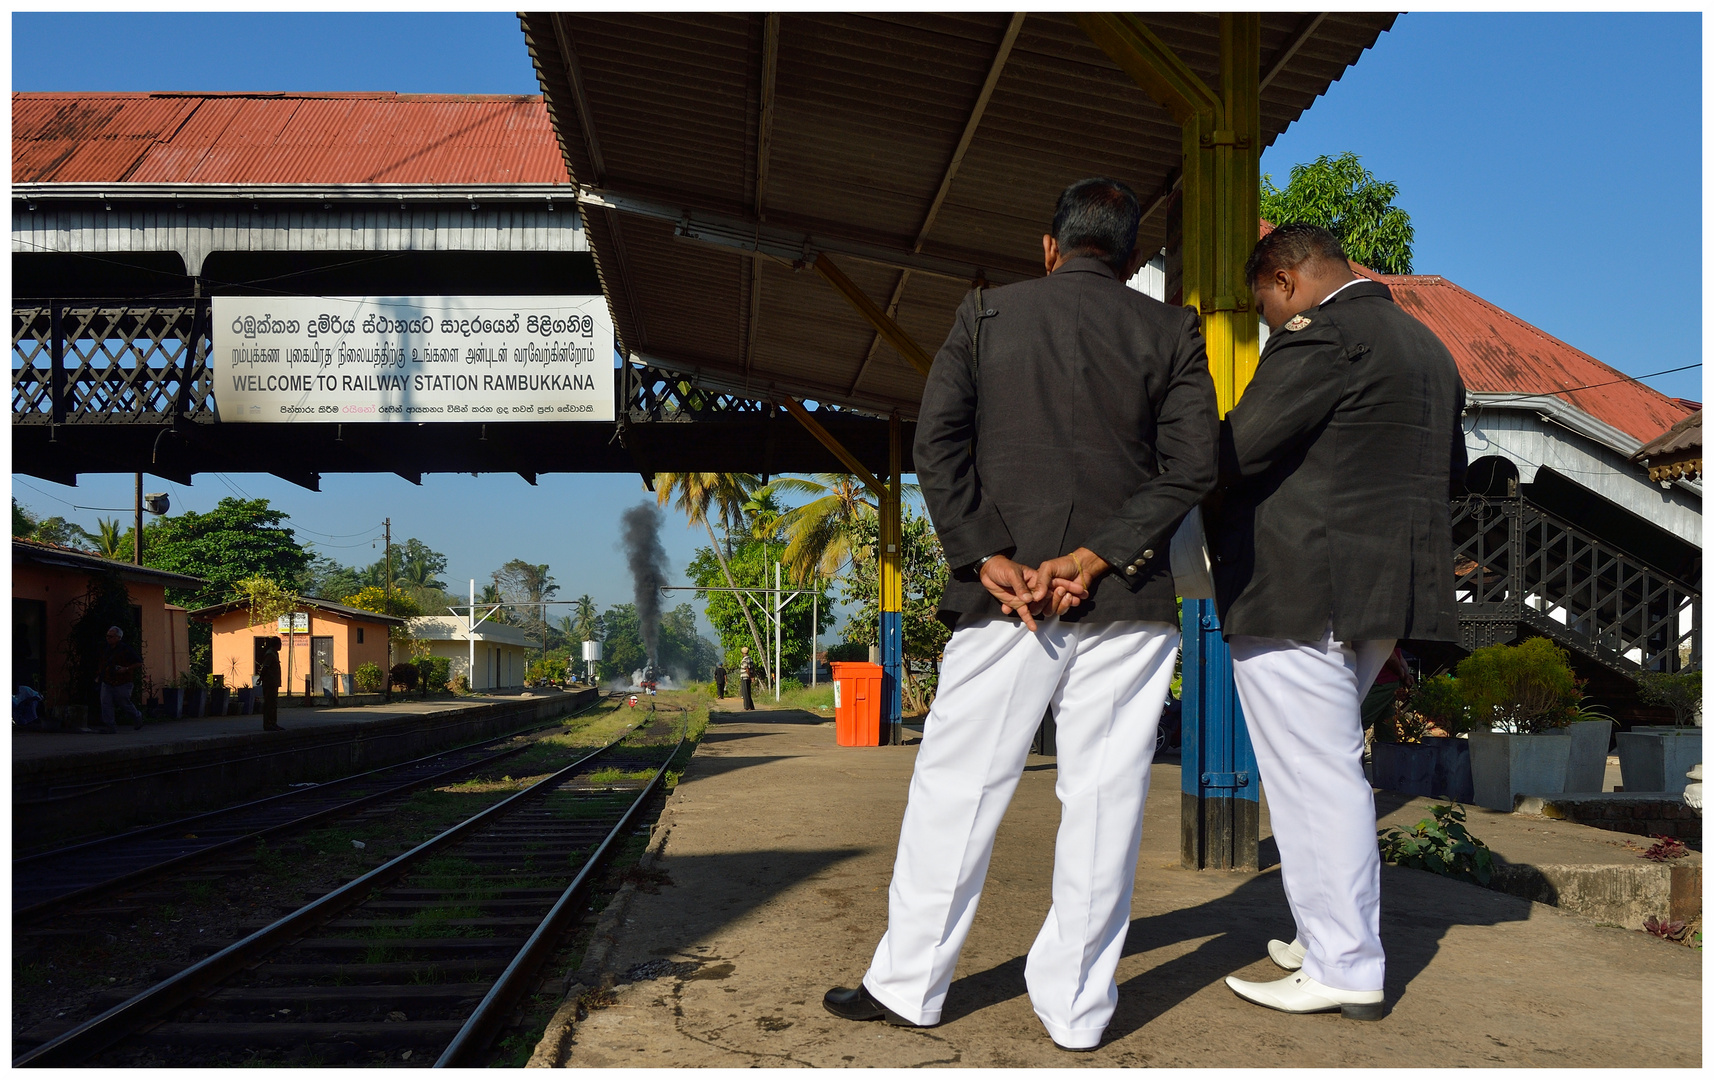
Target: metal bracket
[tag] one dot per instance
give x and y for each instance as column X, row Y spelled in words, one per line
column 1228, row 780
column 1224, row 138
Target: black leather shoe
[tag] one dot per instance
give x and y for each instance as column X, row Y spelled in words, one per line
column 859, row 1004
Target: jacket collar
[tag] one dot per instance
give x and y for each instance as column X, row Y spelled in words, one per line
column 1084, row 264
column 1362, row 288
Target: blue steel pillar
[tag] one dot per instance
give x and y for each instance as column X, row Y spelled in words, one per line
column 892, row 590
column 1221, row 816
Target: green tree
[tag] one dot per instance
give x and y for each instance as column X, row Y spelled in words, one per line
column 584, row 622
column 328, row 579
column 622, row 649
column 726, row 494
column 54, row 530
column 752, row 566
column 923, row 563
column 685, row 655
column 823, row 534
column 1342, row 196
column 113, row 540
column 239, row 538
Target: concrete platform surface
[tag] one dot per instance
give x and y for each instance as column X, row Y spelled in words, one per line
column 769, row 874
column 177, row 736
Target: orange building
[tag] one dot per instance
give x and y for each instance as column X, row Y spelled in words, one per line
column 49, row 584
column 324, row 639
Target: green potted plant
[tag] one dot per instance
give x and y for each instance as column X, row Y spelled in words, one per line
column 1440, row 704
column 1521, row 698
column 1657, row 757
column 195, row 695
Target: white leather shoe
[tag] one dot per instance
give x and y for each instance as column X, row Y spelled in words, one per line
column 1301, row 994
column 1289, row 957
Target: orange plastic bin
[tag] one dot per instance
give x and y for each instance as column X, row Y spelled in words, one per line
column 857, row 704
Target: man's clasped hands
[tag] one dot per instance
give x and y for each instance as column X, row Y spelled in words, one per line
column 1051, row 589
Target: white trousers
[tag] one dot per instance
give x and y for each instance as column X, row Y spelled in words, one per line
column 1301, row 702
column 1106, row 684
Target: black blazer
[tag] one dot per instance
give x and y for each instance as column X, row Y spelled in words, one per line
column 1336, row 467
column 1095, row 426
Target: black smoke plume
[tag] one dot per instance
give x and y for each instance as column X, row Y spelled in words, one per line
column 640, row 533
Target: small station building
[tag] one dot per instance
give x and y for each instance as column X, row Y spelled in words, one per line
column 321, row 640
column 502, row 651
column 49, row 583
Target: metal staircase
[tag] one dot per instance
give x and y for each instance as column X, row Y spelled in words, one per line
column 1519, row 568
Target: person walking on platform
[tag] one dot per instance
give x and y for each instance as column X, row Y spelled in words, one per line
column 1333, row 539
column 269, row 673
column 746, row 677
column 1067, row 426
column 118, row 668
column 720, row 679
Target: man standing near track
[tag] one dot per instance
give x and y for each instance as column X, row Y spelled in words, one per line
column 720, row 679
column 746, row 673
column 269, row 672
column 1067, row 426
column 118, row 666
column 1332, row 540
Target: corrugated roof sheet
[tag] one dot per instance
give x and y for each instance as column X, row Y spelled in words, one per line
column 868, row 112
column 1497, row 352
column 357, row 138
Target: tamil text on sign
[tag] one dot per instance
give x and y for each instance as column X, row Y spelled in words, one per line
column 349, row 359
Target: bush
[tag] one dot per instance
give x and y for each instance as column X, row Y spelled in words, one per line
column 404, row 675
column 461, row 685
column 1439, row 701
column 1520, row 689
column 789, row 685
column 369, row 678
column 436, row 670
column 1441, row 846
column 547, row 669
column 1681, row 692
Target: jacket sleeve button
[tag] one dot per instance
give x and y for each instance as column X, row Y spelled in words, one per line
column 1148, row 554
column 1130, row 571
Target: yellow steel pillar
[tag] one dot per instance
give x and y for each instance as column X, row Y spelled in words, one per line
column 892, row 589
column 1221, row 210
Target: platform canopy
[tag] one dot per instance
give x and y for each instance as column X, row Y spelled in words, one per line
column 725, row 161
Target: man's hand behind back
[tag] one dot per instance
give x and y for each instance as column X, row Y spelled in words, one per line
column 1070, row 578
column 1017, row 587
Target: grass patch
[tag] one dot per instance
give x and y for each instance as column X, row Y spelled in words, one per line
column 614, row 776
column 816, row 699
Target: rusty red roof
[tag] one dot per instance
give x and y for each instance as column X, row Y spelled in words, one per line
column 352, row 138
column 1682, row 438
column 1497, row 352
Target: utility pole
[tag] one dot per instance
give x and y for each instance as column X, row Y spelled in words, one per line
column 137, row 532
column 814, row 626
column 387, row 524
column 779, row 608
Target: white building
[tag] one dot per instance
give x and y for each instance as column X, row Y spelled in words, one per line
column 502, row 652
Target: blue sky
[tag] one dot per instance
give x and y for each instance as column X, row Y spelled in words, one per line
column 1537, row 172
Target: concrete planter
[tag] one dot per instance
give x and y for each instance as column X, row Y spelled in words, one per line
column 1406, row 767
column 1452, row 768
column 217, row 696
column 195, row 701
column 1657, row 761
column 1587, row 768
column 172, row 702
column 246, row 698
column 1505, row 766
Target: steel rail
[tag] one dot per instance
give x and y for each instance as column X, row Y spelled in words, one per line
column 478, row 1032
column 34, row 911
column 100, row 1032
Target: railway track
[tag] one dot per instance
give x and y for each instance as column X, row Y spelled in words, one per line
column 420, row 961
column 45, row 883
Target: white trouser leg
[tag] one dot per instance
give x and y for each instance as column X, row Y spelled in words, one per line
column 995, row 683
column 1301, row 703
column 1108, row 709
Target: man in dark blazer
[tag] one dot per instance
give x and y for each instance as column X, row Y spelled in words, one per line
column 1332, row 540
column 1067, row 426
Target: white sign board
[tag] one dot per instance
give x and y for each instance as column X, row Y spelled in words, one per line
column 352, row 359
column 295, row 623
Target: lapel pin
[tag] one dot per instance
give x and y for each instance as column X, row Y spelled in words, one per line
column 1297, row 322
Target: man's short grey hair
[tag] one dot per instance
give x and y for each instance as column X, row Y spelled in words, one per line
column 116, row 630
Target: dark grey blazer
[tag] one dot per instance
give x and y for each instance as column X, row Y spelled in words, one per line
column 1335, row 471
column 1095, row 426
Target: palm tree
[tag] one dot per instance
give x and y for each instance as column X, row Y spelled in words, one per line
column 584, row 622
column 725, row 493
column 821, row 535
column 110, row 542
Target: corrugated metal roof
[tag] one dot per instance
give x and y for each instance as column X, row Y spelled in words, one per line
column 1497, row 352
column 867, row 114
column 358, row 138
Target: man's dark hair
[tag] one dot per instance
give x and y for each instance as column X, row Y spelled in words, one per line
column 1098, row 217
column 1289, row 246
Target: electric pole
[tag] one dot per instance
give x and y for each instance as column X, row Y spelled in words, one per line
column 387, row 524
column 137, row 531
